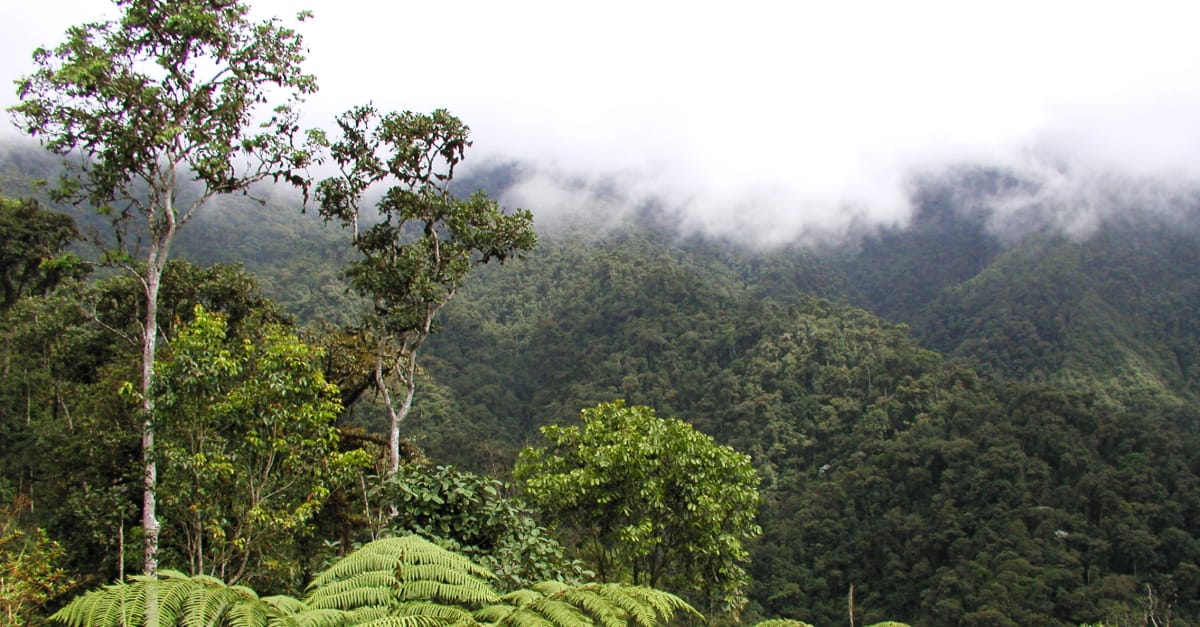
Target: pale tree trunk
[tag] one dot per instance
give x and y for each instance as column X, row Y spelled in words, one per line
column 405, row 369
column 161, row 235
column 150, row 470
column 396, row 415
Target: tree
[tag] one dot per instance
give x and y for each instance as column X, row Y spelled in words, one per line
column 251, row 448
column 470, row 514
column 170, row 90
column 33, row 243
column 650, row 498
column 416, row 256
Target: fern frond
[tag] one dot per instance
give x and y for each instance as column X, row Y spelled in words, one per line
column 407, row 621
column 563, row 605
column 524, row 617
column 426, row 608
column 600, row 609
column 350, row 598
column 408, row 568
column 389, row 553
column 550, row 588
column 106, row 607
column 522, row 597
column 284, row 603
column 664, row 604
column 494, row 613
column 314, row 618
column 559, row 613
column 199, row 601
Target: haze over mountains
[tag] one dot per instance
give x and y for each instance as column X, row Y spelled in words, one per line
column 768, row 121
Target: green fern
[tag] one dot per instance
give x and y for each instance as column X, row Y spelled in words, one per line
column 398, row 582
column 182, row 600
column 393, row 570
column 556, row 604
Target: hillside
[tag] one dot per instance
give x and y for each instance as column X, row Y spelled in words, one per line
column 966, row 429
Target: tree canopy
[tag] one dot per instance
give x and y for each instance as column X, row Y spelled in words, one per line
column 651, row 500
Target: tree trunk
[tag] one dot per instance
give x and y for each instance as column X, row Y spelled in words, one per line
column 161, row 235
column 150, row 470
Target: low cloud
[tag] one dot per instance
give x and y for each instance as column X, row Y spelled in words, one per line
column 771, row 122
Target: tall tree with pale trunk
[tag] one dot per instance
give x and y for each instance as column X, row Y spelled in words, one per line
column 168, row 92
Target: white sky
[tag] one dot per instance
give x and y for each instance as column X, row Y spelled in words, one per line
column 762, row 119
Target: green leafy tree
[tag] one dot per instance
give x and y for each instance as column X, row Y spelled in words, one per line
column 650, row 498
column 425, row 242
column 251, row 453
column 166, row 92
column 470, row 514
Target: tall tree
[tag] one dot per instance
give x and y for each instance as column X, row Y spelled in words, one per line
column 136, row 105
column 425, row 240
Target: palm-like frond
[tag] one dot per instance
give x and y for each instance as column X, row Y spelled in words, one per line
column 555, row 604
column 398, row 582
column 407, row 568
column 390, row 554
column 182, row 600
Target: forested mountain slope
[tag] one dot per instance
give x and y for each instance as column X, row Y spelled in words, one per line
column 937, row 492
column 1049, row 476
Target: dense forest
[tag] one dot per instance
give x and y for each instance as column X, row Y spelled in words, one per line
column 224, row 400
column 963, row 430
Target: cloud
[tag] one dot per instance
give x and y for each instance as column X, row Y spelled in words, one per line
column 769, row 121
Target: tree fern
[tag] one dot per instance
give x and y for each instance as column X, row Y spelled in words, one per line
column 397, row 582
column 401, row 569
column 610, row 604
column 188, row 601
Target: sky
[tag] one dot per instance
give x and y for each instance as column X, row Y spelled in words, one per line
column 766, row 121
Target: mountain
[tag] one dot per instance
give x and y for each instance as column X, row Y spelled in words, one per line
column 961, row 426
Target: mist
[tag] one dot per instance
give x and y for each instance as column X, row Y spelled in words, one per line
column 769, row 122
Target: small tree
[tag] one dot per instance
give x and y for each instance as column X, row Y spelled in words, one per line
column 425, row 241
column 170, row 90
column 470, row 514
column 650, row 498
column 252, row 446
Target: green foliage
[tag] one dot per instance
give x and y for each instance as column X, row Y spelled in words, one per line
column 68, row 440
column 165, row 86
column 250, row 452
column 416, row 256
column 395, row 581
column 470, row 514
column 649, row 498
column 30, row 575
column 168, row 90
column 33, row 243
